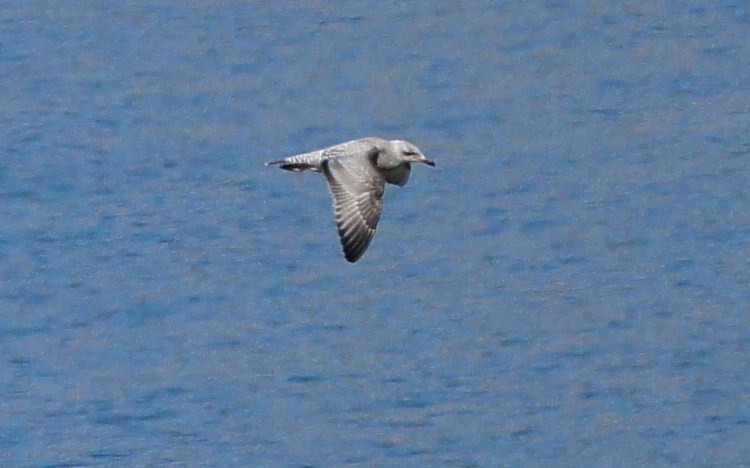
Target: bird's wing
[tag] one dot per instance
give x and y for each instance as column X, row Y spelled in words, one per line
column 357, row 190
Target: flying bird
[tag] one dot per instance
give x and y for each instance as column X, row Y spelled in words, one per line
column 356, row 172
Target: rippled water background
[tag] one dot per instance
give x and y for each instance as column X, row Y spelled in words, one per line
column 569, row 287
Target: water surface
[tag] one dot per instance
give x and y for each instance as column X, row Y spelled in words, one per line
column 568, row 287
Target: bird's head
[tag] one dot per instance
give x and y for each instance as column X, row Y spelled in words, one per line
column 409, row 153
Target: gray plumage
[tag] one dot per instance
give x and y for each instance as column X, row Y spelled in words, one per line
column 357, row 172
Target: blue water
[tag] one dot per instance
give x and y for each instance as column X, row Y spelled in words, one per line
column 569, row 287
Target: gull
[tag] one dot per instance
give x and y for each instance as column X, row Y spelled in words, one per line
column 356, row 172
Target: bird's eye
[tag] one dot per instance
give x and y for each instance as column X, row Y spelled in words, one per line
column 410, row 153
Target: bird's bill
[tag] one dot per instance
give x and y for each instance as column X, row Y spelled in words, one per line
column 429, row 162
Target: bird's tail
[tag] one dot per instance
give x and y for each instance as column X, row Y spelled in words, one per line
column 300, row 162
column 289, row 166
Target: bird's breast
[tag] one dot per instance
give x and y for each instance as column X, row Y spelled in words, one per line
column 398, row 175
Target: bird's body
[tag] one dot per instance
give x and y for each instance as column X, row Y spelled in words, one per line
column 356, row 172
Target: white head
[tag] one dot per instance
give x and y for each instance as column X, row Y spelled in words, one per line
column 405, row 152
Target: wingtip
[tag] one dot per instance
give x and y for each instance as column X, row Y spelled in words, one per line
column 352, row 254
